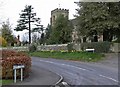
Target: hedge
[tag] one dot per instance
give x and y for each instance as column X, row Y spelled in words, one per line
column 100, row 47
column 10, row 58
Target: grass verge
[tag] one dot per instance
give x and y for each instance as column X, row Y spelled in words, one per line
column 6, row 82
column 79, row 56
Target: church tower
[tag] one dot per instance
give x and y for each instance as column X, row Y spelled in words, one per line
column 56, row 12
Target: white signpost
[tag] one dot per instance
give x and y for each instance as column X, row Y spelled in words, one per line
column 90, row 50
column 15, row 67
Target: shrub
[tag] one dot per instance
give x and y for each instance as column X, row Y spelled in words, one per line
column 3, row 42
column 100, row 47
column 32, row 48
column 117, row 40
column 10, row 58
column 70, row 47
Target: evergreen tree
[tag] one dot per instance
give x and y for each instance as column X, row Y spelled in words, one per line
column 61, row 31
column 7, row 32
column 48, row 31
column 26, row 18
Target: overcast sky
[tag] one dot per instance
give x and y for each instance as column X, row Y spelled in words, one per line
column 11, row 9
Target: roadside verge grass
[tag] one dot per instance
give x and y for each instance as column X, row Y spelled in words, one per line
column 6, row 82
column 77, row 56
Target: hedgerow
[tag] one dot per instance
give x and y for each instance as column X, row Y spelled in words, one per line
column 100, row 47
column 10, row 58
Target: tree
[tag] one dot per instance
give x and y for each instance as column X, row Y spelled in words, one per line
column 3, row 42
column 39, row 29
column 114, row 10
column 7, row 32
column 42, row 38
column 48, row 31
column 35, row 38
column 61, row 31
column 26, row 18
column 98, row 18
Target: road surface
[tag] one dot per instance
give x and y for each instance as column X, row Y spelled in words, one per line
column 80, row 73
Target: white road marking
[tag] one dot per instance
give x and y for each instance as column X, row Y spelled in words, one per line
column 109, row 78
column 63, row 64
column 64, row 83
column 78, row 68
column 74, row 67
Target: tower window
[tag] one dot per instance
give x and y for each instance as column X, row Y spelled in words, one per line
column 53, row 18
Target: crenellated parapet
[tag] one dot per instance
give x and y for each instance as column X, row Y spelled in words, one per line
column 56, row 12
column 60, row 10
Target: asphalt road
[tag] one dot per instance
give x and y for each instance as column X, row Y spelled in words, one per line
column 81, row 73
column 39, row 77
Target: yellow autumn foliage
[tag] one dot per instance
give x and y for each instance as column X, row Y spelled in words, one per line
column 3, row 42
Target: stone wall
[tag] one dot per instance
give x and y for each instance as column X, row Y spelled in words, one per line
column 56, row 47
column 115, row 47
column 60, row 47
column 15, row 48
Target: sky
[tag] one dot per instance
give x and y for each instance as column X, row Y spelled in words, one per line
column 12, row 8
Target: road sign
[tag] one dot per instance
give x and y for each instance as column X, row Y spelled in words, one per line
column 15, row 67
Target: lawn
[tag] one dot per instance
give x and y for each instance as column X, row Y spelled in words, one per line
column 6, row 82
column 79, row 56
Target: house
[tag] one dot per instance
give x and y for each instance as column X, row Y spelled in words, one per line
column 17, row 41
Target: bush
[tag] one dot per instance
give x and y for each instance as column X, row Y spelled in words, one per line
column 117, row 41
column 100, row 47
column 32, row 48
column 3, row 42
column 10, row 58
column 70, row 47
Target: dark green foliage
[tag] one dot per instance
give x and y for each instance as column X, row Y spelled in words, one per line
column 117, row 40
column 61, row 31
column 32, row 48
column 101, row 17
column 70, row 47
column 7, row 32
column 47, row 34
column 26, row 18
column 48, row 31
column 100, row 47
column 41, row 40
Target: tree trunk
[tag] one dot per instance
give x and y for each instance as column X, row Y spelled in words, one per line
column 29, row 31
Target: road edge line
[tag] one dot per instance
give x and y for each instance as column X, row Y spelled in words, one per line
column 60, row 80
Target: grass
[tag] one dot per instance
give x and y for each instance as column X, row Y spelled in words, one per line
column 79, row 56
column 6, row 82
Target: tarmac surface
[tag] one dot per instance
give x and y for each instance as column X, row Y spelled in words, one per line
column 44, row 72
column 39, row 77
column 104, row 72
